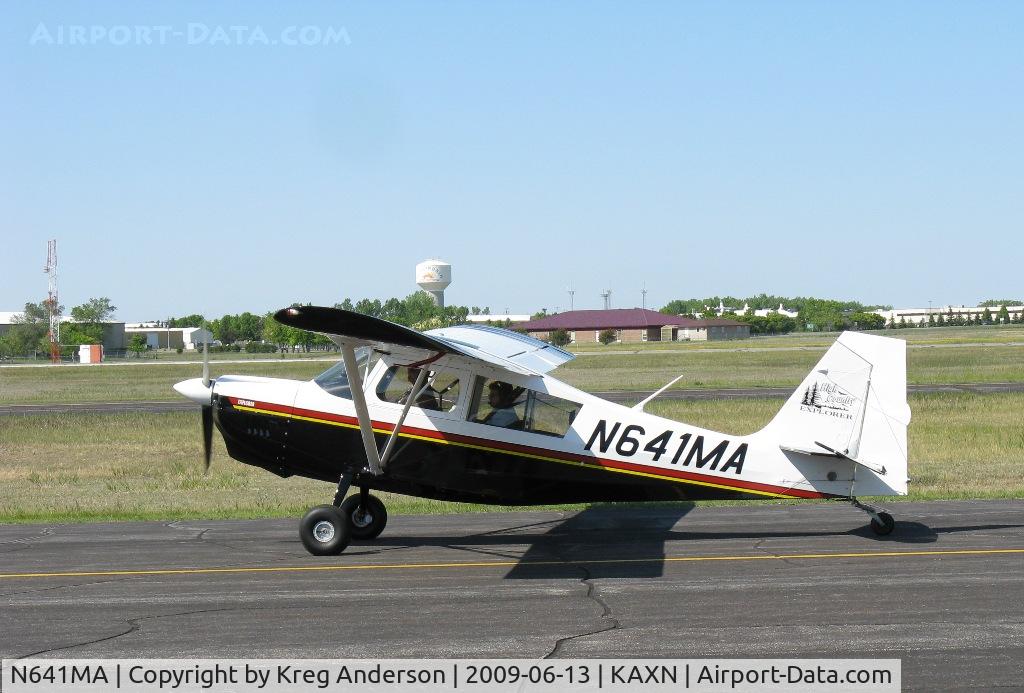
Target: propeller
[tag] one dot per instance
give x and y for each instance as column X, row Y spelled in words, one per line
column 207, row 410
column 200, row 391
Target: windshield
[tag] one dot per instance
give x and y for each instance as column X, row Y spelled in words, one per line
column 335, row 379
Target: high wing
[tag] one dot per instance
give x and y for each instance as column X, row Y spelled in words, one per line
column 467, row 345
column 493, row 346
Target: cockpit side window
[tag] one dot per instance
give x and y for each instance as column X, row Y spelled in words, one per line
column 335, row 379
column 497, row 403
column 439, row 393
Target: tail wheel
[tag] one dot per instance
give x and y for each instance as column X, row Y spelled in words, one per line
column 884, row 527
column 324, row 532
column 364, row 523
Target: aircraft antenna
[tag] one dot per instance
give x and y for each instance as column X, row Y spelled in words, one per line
column 52, row 302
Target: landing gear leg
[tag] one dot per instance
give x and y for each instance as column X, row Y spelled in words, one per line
column 344, row 484
column 882, row 523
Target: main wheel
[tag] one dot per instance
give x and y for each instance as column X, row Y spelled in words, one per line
column 365, row 523
column 324, row 532
column 884, row 527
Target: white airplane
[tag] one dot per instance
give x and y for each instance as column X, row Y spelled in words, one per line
column 470, row 413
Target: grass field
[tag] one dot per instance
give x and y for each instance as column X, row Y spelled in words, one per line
column 147, row 466
column 642, row 371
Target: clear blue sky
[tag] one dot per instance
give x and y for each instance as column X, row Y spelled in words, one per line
column 869, row 150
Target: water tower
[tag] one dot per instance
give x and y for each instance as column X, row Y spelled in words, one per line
column 434, row 276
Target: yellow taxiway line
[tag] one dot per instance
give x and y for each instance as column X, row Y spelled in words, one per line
column 510, row 563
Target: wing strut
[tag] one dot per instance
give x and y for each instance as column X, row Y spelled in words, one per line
column 355, row 383
column 376, row 459
column 414, row 393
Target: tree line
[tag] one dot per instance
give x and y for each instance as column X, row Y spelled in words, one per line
column 263, row 333
column 827, row 315
column 813, row 314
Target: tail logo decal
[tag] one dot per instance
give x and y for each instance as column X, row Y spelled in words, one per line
column 828, row 399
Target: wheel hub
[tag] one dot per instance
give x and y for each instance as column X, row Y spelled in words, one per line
column 323, row 531
column 362, row 519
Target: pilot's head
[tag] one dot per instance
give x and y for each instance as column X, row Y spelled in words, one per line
column 499, row 395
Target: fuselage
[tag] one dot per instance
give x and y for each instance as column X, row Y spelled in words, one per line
column 607, row 453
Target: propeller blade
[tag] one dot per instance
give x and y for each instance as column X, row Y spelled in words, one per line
column 206, row 363
column 207, row 436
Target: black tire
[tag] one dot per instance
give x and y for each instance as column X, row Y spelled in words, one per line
column 884, row 527
column 324, row 532
column 366, row 525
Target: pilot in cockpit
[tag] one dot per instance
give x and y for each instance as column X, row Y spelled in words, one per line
column 501, row 396
column 427, row 398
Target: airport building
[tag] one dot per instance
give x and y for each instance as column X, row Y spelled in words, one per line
column 919, row 316
column 187, row 338
column 497, row 318
column 634, row 325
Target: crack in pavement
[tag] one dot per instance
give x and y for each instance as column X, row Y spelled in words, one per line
column 758, row 546
column 611, row 622
column 134, row 624
column 26, row 541
column 69, row 586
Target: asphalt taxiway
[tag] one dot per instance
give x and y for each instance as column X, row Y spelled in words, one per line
column 945, row 592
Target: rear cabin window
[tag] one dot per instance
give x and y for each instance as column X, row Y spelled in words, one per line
column 439, row 393
column 501, row 404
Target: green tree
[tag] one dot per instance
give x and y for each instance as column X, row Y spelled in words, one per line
column 606, row 337
column 29, row 332
column 866, row 321
column 88, row 322
column 559, row 337
column 137, row 344
column 248, row 327
column 1004, row 315
column 995, row 302
column 194, row 320
column 367, row 307
column 986, row 316
column 95, row 310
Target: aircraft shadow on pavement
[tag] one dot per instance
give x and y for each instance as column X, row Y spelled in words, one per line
column 629, row 542
column 606, row 542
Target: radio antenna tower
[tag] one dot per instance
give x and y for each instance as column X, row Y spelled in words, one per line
column 643, row 292
column 572, row 293
column 52, row 302
column 607, row 296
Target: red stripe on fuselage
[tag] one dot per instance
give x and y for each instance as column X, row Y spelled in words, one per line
column 590, row 460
